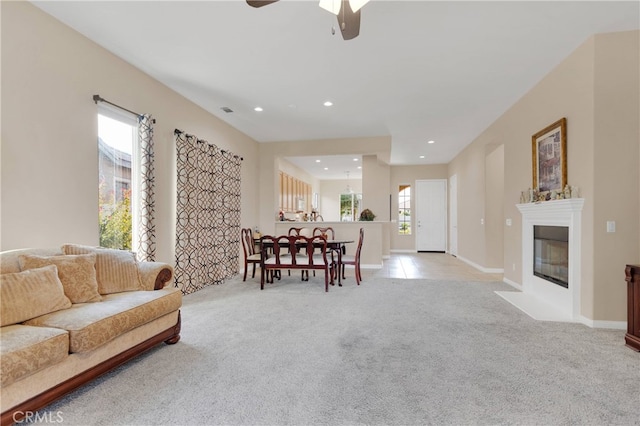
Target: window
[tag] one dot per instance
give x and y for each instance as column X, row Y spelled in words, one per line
column 117, row 140
column 404, row 210
column 350, row 207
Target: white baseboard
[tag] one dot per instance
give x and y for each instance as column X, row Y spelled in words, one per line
column 614, row 325
column 402, row 251
column 482, row 268
column 512, row 283
column 366, row 266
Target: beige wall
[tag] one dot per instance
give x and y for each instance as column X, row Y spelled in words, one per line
column 408, row 175
column 469, row 166
column 494, row 222
column 376, row 189
column 49, row 133
column 616, row 143
column 596, row 89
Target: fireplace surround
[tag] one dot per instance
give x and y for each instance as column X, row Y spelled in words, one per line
column 541, row 298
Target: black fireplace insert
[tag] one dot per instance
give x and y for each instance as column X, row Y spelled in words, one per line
column 551, row 254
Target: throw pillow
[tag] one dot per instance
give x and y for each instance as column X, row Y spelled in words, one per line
column 30, row 294
column 76, row 272
column 116, row 270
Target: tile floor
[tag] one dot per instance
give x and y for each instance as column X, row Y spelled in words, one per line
column 439, row 266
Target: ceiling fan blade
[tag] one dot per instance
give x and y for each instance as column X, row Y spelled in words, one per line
column 260, row 3
column 348, row 21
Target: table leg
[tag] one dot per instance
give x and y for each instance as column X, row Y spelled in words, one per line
column 339, row 266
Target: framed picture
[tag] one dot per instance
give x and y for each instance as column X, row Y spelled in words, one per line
column 549, row 152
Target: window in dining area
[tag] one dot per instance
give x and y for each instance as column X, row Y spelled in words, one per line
column 404, row 210
column 350, row 207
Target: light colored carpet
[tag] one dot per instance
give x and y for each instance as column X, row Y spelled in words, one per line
column 390, row 352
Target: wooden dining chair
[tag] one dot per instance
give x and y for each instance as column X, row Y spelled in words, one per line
column 331, row 235
column 355, row 259
column 250, row 254
column 294, row 252
column 300, row 232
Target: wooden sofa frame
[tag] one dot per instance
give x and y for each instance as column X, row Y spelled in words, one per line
column 170, row 336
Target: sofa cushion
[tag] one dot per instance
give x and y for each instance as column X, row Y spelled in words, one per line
column 9, row 259
column 93, row 324
column 26, row 350
column 29, row 294
column 77, row 274
column 116, row 270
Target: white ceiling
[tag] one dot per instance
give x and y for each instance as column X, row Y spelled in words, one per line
column 419, row 71
column 337, row 166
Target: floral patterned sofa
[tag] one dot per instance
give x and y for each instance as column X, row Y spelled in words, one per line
column 71, row 314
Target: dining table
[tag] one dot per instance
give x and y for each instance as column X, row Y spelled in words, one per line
column 336, row 246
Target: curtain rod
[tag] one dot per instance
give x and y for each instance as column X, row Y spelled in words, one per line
column 178, row 132
column 98, row 98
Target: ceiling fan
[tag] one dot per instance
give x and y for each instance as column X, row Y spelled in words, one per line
column 347, row 12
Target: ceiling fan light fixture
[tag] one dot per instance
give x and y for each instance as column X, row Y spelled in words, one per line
column 348, row 17
column 356, row 5
column 332, row 6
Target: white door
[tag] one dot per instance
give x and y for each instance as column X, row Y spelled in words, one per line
column 431, row 215
column 453, row 215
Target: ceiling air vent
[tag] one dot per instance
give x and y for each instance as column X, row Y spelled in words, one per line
column 226, row 109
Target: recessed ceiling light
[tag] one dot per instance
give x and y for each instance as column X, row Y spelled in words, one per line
column 355, row 159
column 258, row 109
column 317, row 161
column 431, row 142
column 422, row 156
column 359, row 167
column 326, row 168
column 328, row 103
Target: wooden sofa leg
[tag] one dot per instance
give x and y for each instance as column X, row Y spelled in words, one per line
column 176, row 331
column 173, row 340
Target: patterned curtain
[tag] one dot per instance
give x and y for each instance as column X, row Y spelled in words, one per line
column 208, row 214
column 147, row 208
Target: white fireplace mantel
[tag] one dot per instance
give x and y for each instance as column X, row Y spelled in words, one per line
column 557, row 302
